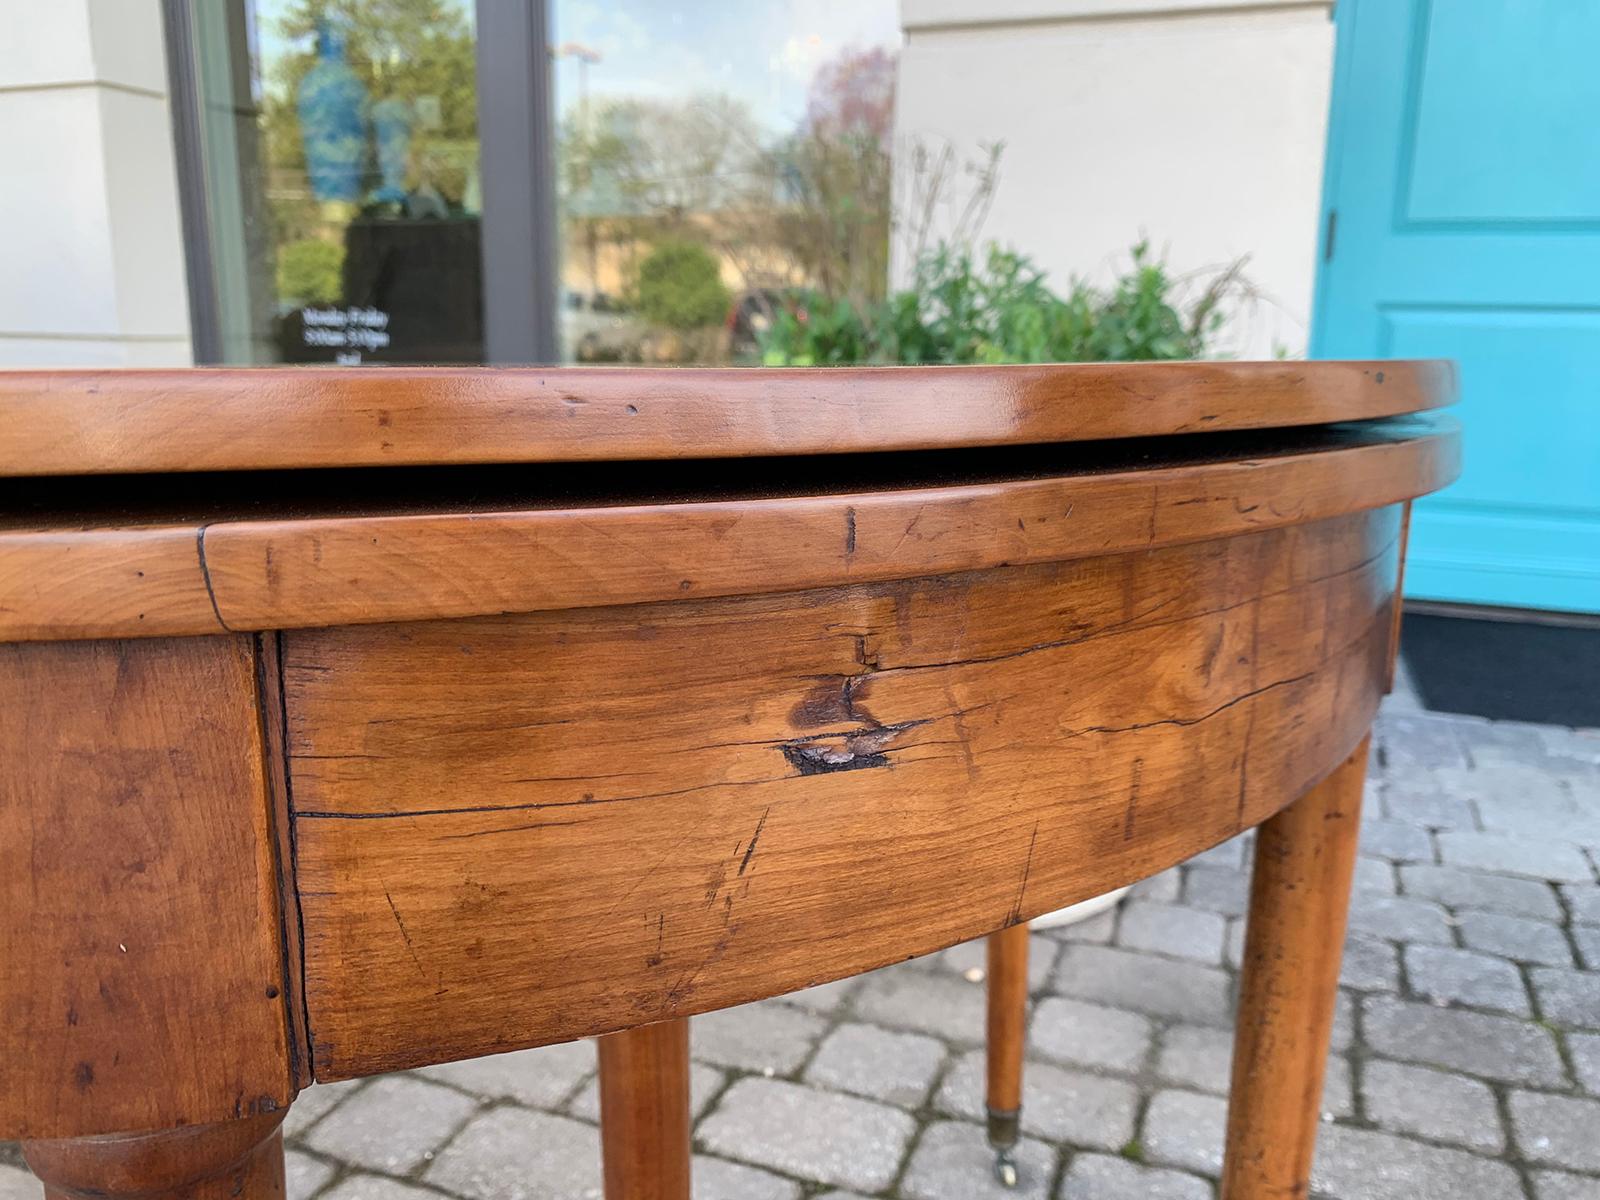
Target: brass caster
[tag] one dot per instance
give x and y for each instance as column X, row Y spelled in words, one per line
column 1005, row 1169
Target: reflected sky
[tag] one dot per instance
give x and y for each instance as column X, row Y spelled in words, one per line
column 763, row 52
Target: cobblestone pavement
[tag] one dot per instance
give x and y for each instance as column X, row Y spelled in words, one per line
column 1466, row 1061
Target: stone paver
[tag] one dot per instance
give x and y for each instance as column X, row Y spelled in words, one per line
column 1434, row 1104
column 1495, row 1047
column 1172, row 929
column 1225, row 892
column 316, row 1102
column 1064, row 1106
column 906, row 998
column 514, row 1154
column 1517, row 938
column 1557, row 1131
column 1089, row 1034
column 1468, row 1019
column 1096, row 930
column 375, row 1187
column 1462, row 889
column 953, row 1162
column 1449, row 976
column 1423, row 740
column 1102, row 1177
column 303, row 1175
column 1584, row 1048
column 1362, row 1164
column 1556, row 1185
column 718, row 1179
column 1185, row 1129
column 973, row 956
column 1396, row 841
column 1232, row 854
column 825, row 998
column 1587, row 939
column 841, row 1140
column 17, row 1184
column 536, row 1078
column 1164, row 887
column 1568, row 997
column 1370, row 965
column 1399, row 918
column 1374, row 875
column 1160, row 987
column 391, row 1125
column 878, row 1063
column 755, row 1037
column 1411, row 796
column 1532, row 859
column 1584, row 901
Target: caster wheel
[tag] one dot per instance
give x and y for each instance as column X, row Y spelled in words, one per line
column 1005, row 1169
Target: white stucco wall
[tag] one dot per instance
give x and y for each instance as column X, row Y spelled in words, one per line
column 91, row 246
column 1196, row 123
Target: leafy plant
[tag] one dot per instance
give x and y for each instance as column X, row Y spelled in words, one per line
column 999, row 309
column 680, row 286
column 827, row 331
column 311, row 271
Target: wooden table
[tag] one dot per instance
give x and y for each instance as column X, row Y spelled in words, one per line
column 558, row 703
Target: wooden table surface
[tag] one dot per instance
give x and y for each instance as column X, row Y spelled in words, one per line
column 358, row 720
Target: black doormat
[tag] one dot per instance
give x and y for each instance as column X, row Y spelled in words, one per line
column 1505, row 670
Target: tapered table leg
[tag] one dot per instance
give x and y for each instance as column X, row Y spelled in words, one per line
column 1008, row 1016
column 1299, row 898
column 644, row 1112
column 231, row 1160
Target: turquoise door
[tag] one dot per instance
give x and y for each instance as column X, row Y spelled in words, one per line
column 1462, row 220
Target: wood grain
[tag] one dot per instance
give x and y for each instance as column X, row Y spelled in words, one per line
column 644, row 1112
column 524, row 830
column 87, row 422
column 304, row 571
column 1005, row 1028
column 66, row 582
column 1289, row 980
column 227, row 1160
column 144, row 980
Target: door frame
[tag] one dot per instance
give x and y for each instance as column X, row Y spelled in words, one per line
column 1344, row 17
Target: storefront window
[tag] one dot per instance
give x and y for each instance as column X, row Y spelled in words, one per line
column 709, row 164
column 715, row 161
column 343, row 189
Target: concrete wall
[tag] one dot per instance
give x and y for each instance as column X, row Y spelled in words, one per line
column 1197, row 123
column 91, row 247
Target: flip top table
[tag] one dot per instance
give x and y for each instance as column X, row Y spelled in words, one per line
column 358, row 720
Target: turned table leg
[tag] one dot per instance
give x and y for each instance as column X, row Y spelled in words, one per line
column 1299, row 896
column 1008, row 1016
column 644, row 1112
column 231, row 1160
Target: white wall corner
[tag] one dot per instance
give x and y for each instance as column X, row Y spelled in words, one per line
column 1204, row 135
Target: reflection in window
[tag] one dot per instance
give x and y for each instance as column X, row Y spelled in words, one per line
column 715, row 161
column 343, row 182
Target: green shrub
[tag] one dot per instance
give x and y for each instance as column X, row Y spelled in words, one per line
column 311, row 271
column 680, row 286
column 1000, row 310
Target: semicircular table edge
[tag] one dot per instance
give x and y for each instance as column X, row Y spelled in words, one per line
column 323, row 758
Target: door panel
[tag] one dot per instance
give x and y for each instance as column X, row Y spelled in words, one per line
column 1464, row 179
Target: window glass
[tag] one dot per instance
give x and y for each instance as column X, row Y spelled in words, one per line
column 715, row 161
column 342, row 179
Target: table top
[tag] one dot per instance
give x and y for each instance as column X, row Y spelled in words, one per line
column 535, row 705
column 97, row 422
